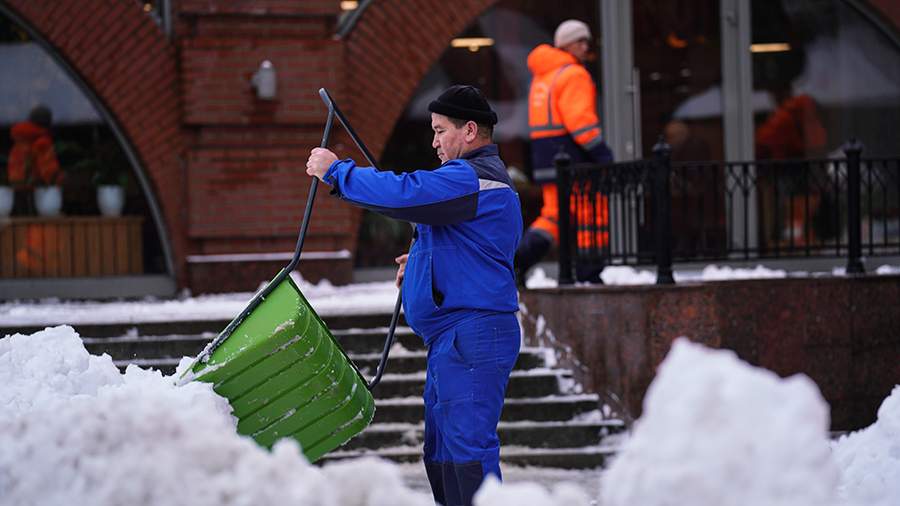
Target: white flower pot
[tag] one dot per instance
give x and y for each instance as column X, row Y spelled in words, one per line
column 110, row 199
column 7, row 199
column 48, row 200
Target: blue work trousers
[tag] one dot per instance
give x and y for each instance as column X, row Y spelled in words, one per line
column 468, row 370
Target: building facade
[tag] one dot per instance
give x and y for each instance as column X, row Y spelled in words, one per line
column 210, row 107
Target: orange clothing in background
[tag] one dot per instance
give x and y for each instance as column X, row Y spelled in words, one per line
column 563, row 99
column 562, row 115
column 32, row 159
column 793, row 130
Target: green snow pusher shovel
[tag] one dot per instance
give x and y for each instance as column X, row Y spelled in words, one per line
column 279, row 366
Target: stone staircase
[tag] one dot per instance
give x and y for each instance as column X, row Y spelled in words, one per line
column 545, row 423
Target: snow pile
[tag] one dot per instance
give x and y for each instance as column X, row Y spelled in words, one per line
column 325, row 298
column 75, row 431
column 539, row 279
column 529, row 494
column 717, row 431
column 870, row 459
column 624, row 275
column 716, row 273
column 886, row 270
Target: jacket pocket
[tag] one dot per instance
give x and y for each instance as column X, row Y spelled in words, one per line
column 418, row 300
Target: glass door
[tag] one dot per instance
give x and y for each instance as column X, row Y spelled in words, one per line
column 679, row 70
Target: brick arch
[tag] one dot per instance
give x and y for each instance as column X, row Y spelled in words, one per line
column 389, row 51
column 125, row 61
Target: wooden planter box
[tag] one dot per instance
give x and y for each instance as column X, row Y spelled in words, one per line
column 70, row 247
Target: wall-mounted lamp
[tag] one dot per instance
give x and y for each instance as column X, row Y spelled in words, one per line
column 265, row 81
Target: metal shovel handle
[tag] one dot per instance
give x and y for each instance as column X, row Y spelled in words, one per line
column 333, row 111
column 261, row 296
column 389, row 341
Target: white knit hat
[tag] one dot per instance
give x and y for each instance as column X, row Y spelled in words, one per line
column 569, row 31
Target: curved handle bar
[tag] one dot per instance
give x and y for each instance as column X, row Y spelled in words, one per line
column 333, row 111
column 388, row 342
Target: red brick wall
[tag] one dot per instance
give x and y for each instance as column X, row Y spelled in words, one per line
column 125, row 59
column 246, row 180
column 390, row 49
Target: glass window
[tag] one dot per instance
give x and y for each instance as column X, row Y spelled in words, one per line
column 829, row 74
column 677, row 52
column 490, row 54
column 52, row 136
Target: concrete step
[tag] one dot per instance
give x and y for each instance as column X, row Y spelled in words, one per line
column 528, row 383
column 163, row 353
column 522, row 383
column 567, row 434
column 589, row 457
column 414, row 361
column 196, row 327
column 549, row 408
column 354, row 341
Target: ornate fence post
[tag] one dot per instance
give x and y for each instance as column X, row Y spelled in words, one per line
column 662, row 202
column 853, row 150
column 561, row 162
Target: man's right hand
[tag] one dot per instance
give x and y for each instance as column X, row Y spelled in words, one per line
column 401, row 261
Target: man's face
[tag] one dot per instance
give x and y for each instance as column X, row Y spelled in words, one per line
column 449, row 140
column 579, row 49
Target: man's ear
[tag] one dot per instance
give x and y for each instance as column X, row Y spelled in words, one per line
column 471, row 131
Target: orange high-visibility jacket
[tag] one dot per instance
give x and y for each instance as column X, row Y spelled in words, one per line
column 562, row 114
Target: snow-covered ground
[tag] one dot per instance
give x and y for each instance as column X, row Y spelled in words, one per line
column 325, row 298
column 716, row 431
column 626, row 275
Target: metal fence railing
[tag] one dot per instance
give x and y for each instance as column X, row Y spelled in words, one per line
column 658, row 211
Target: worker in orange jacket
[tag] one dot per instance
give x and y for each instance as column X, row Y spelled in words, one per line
column 562, row 116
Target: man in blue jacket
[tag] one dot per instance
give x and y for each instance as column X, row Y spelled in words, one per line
column 459, row 287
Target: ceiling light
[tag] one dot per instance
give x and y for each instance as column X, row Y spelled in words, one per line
column 349, row 5
column 770, row 47
column 472, row 43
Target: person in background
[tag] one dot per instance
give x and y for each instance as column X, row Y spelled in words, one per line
column 459, row 290
column 562, row 117
column 32, row 160
column 794, row 130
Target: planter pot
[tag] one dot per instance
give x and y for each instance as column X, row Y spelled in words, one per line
column 7, row 198
column 48, row 200
column 110, row 199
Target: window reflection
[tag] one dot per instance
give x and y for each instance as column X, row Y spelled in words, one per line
column 491, row 54
column 829, row 75
column 77, row 208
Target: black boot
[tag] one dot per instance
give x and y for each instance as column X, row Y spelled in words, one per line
column 534, row 246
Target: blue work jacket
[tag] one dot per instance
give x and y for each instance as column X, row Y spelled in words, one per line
column 468, row 225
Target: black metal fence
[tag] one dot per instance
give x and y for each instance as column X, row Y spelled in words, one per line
column 658, row 211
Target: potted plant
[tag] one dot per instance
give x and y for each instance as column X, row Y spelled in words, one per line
column 106, row 167
column 7, row 194
column 47, row 192
column 110, row 181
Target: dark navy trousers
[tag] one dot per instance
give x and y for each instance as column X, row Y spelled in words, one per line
column 468, row 370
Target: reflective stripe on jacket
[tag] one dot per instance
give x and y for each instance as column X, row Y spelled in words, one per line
column 562, row 105
column 562, row 109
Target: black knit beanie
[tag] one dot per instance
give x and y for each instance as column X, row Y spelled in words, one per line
column 464, row 102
